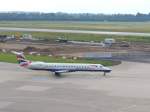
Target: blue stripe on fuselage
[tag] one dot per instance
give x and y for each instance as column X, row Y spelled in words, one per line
column 21, row 61
column 54, row 70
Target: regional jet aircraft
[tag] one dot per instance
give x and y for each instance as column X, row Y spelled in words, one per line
column 58, row 68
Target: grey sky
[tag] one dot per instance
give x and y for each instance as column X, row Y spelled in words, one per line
column 77, row 6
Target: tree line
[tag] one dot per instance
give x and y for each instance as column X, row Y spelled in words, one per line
column 59, row 16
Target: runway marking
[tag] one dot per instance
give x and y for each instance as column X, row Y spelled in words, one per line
column 33, row 88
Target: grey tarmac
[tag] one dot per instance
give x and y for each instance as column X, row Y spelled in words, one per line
column 126, row 89
column 7, row 29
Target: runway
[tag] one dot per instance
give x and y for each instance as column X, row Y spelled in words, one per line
column 7, row 29
column 126, row 89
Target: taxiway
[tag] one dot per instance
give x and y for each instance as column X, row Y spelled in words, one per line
column 126, row 89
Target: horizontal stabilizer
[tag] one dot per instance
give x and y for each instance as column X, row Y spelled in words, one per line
column 17, row 53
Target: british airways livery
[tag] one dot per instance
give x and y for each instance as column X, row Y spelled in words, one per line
column 58, row 68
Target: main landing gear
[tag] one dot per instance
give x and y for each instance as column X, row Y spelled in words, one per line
column 104, row 74
column 57, row 74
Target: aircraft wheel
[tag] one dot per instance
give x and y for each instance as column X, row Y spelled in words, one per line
column 104, row 73
column 57, row 74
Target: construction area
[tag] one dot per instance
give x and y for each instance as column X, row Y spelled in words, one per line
column 107, row 49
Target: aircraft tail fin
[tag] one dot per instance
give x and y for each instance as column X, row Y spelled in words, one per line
column 21, row 59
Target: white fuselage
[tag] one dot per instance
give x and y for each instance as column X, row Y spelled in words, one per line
column 67, row 67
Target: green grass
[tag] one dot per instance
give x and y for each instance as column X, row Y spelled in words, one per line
column 81, row 37
column 103, row 26
column 10, row 58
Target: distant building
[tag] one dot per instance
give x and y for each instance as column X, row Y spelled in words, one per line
column 62, row 40
column 27, row 36
column 109, row 41
column 3, row 38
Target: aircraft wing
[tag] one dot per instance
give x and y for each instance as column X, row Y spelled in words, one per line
column 63, row 71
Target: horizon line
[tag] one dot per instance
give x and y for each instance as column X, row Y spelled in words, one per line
column 71, row 12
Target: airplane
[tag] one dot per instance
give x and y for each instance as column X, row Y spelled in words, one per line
column 59, row 68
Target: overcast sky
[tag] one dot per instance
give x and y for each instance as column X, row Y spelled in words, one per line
column 77, row 6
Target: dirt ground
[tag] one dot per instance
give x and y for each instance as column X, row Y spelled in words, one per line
column 63, row 48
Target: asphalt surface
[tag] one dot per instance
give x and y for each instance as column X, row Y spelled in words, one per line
column 126, row 89
column 73, row 31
